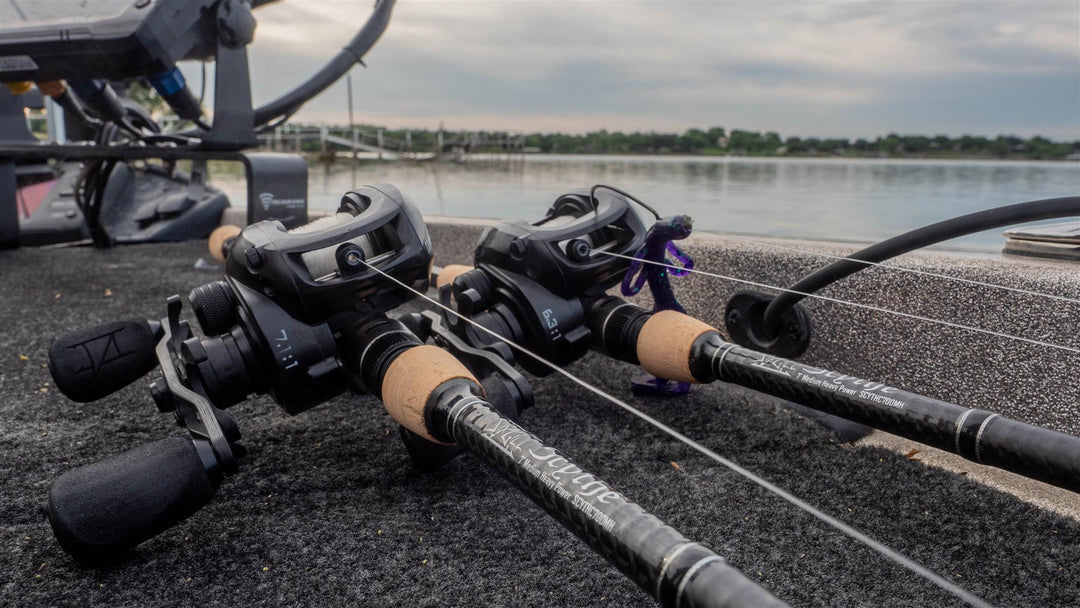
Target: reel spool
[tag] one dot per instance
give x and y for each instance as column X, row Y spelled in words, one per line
column 316, row 271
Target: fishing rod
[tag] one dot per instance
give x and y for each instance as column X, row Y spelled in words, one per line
column 678, row 347
column 301, row 316
column 544, row 285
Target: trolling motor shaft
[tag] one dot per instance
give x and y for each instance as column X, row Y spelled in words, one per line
column 680, row 347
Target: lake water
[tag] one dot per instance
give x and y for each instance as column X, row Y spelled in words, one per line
column 831, row 199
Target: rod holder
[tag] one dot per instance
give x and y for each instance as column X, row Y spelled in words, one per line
column 744, row 319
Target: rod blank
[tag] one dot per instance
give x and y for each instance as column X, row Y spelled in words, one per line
column 679, row 343
column 977, row 435
column 675, row 570
column 425, row 386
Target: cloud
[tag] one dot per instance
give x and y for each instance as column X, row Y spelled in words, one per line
column 805, row 68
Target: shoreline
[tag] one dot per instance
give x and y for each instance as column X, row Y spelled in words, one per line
column 345, row 156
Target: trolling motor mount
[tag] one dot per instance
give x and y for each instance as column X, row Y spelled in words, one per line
column 76, row 52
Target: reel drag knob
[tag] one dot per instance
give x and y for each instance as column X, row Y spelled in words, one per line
column 215, row 307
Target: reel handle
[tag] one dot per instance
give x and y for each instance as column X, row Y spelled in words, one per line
column 90, row 364
column 102, row 509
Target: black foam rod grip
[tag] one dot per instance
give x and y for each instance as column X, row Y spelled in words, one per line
column 92, row 363
column 101, row 510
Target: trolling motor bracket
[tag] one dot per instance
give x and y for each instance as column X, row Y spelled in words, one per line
column 234, row 118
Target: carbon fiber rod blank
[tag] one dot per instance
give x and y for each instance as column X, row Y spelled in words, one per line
column 674, row 346
column 426, row 390
column 676, row 571
column 977, row 435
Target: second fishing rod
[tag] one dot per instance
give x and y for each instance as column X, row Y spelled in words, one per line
column 544, row 285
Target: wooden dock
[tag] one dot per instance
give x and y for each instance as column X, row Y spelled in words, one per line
column 456, row 147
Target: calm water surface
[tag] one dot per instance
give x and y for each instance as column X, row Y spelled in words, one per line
column 833, row 199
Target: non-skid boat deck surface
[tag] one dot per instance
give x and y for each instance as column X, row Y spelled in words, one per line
column 328, row 510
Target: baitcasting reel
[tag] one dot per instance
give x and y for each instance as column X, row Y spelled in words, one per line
column 544, row 285
column 533, row 282
column 292, row 311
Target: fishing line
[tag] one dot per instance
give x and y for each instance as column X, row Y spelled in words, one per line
column 980, row 330
column 869, row 542
column 733, row 237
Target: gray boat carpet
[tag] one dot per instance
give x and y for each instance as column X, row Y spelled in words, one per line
column 328, row 512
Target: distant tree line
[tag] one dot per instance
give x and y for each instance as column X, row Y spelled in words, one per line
column 718, row 141
column 754, row 143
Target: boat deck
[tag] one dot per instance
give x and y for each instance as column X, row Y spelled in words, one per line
column 329, row 512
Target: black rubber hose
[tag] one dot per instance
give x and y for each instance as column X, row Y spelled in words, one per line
column 74, row 107
column 1045, row 209
column 671, row 568
column 341, row 63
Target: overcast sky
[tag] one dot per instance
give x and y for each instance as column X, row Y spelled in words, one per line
column 807, row 68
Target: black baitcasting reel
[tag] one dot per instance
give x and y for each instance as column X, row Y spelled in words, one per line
column 672, row 345
column 533, row 282
column 544, row 285
column 290, row 306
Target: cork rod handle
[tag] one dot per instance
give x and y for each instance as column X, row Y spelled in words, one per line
column 411, row 380
column 449, row 273
column 665, row 342
column 219, row 238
